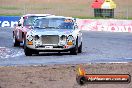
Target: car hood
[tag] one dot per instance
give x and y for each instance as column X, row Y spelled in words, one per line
column 52, row 31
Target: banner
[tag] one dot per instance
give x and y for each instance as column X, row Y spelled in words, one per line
column 8, row 21
column 109, row 25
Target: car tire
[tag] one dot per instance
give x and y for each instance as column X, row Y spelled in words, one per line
column 35, row 52
column 80, row 48
column 74, row 51
column 27, row 51
column 15, row 41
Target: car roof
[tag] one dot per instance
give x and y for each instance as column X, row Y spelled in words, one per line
column 36, row 15
column 60, row 17
column 53, row 16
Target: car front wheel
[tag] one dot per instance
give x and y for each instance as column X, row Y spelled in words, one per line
column 27, row 51
column 80, row 48
column 74, row 51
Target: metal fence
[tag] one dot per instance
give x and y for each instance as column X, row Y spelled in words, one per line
column 89, row 12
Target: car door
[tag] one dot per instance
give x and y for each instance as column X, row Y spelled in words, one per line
column 19, row 31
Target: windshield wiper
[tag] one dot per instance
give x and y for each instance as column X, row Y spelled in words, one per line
column 36, row 27
column 39, row 27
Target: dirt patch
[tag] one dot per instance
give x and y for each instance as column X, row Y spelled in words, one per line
column 58, row 76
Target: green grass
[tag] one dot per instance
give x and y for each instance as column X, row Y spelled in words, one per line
column 8, row 8
column 17, row 14
column 81, row 17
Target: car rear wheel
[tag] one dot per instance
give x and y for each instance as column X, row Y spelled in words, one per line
column 80, row 48
column 15, row 41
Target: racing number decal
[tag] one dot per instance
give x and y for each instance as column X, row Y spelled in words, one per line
column 68, row 20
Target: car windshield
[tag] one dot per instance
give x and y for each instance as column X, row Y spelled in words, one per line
column 29, row 20
column 54, row 23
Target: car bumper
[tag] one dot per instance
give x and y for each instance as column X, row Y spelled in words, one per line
column 60, row 49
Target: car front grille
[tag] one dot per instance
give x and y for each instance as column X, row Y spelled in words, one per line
column 50, row 39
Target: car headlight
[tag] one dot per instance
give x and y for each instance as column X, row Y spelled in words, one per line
column 36, row 37
column 63, row 38
column 29, row 37
column 70, row 40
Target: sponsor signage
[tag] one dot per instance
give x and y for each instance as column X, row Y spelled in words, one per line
column 8, row 21
column 108, row 25
column 82, row 77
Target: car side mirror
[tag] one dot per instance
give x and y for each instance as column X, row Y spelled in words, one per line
column 19, row 24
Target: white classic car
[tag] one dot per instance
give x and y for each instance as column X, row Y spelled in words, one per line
column 53, row 33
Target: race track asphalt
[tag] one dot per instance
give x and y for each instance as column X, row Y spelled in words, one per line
column 98, row 47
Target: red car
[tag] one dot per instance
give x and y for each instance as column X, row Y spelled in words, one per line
column 23, row 26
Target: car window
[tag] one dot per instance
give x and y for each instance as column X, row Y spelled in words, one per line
column 53, row 23
column 28, row 21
